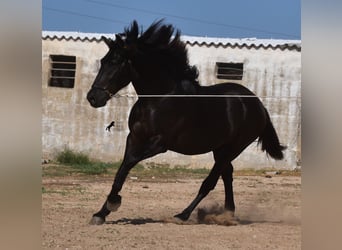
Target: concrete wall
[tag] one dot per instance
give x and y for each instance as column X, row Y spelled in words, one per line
column 68, row 119
column 273, row 75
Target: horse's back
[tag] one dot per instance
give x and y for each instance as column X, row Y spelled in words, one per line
column 226, row 88
column 237, row 99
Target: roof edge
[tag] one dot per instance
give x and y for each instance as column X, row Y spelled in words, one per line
column 249, row 43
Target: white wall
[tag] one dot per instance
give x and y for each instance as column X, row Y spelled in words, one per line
column 272, row 75
column 68, row 119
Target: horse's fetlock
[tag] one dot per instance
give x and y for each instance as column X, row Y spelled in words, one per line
column 114, row 198
column 113, row 202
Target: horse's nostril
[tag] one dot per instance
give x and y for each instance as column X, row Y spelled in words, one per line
column 91, row 99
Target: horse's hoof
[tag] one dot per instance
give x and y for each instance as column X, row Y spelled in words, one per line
column 95, row 220
column 230, row 213
column 182, row 216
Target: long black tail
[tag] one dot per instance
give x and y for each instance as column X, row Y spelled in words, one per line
column 270, row 142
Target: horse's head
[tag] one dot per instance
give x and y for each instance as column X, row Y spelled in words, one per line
column 114, row 74
column 159, row 57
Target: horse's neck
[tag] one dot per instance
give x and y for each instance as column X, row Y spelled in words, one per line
column 183, row 87
column 154, row 86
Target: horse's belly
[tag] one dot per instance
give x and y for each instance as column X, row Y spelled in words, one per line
column 190, row 151
column 190, row 144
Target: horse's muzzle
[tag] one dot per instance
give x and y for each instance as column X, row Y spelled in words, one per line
column 97, row 98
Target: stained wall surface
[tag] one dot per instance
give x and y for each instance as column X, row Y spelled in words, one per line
column 69, row 121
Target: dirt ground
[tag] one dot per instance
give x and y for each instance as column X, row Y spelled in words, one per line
column 267, row 214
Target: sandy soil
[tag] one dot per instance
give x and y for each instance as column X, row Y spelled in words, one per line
column 267, row 215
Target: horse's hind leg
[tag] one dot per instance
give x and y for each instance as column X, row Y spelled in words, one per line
column 208, row 184
column 227, row 176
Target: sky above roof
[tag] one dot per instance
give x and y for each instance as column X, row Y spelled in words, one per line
column 215, row 18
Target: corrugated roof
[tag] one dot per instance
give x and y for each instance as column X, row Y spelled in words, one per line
column 190, row 40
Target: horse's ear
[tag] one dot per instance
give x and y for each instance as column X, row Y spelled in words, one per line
column 108, row 41
column 119, row 41
column 127, row 47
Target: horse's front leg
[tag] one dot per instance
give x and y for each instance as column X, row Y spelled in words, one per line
column 136, row 150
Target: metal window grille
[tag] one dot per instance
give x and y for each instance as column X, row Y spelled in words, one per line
column 229, row 71
column 63, row 70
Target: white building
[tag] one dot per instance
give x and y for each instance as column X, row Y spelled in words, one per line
column 270, row 68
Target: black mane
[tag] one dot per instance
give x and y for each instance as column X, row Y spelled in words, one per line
column 163, row 47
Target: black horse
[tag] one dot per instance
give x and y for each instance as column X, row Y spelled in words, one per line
column 174, row 112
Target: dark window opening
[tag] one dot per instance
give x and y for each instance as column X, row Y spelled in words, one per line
column 229, row 71
column 63, row 69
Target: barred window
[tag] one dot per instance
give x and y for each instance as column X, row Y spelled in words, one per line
column 63, row 69
column 229, row 71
